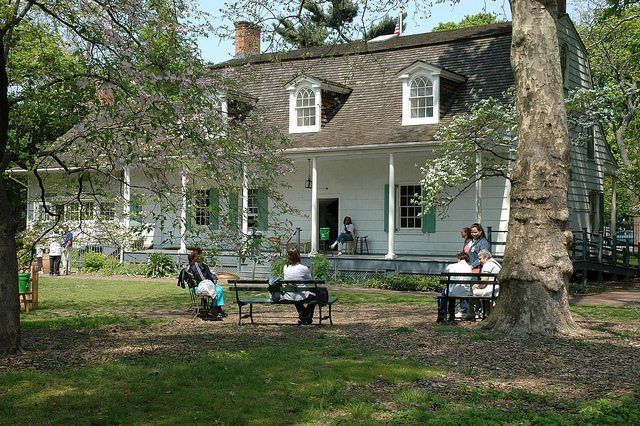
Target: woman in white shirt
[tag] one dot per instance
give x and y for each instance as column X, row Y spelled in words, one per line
column 298, row 272
column 55, row 255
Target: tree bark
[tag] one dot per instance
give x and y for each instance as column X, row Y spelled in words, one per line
column 537, row 267
column 9, row 305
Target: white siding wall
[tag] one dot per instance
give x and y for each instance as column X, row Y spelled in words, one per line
column 587, row 175
column 359, row 184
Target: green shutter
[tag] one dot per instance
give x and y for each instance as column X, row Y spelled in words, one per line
column 386, row 208
column 429, row 222
column 601, row 205
column 233, row 208
column 214, row 209
column 263, row 209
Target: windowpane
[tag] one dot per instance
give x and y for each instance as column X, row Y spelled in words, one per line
column 408, row 209
column 305, row 108
column 252, row 210
column 88, row 210
column 421, row 97
column 107, row 211
column 72, row 211
column 201, row 207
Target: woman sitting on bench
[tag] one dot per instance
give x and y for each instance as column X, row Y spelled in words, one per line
column 296, row 271
column 201, row 272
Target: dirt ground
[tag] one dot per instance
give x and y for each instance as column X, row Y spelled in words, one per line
column 605, row 361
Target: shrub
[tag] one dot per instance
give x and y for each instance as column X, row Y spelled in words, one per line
column 578, row 288
column 277, row 267
column 111, row 266
column 160, row 265
column 93, row 262
column 134, row 268
column 320, row 267
column 404, row 282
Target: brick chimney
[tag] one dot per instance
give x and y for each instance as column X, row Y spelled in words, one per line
column 562, row 8
column 247, row 39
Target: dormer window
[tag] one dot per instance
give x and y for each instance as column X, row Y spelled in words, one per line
column 313, row 102
column 421, row 92
column 305, row 99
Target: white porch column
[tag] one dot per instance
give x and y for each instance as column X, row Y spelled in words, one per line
column 478, row 188
column 245, row 203
column 614, row 230
column 391, row 243
column 314, row 205
column 126, row 196
column 183, row 214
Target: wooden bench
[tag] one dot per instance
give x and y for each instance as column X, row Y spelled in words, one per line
column 449, row 279
column 258, row 292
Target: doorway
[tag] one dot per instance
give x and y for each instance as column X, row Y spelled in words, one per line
column 328, row 209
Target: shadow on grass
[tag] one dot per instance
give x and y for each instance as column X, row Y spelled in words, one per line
column 314, row 380
column 278, row 384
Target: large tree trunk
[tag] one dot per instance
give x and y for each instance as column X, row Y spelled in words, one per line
column 9, row 305
column 537, row 267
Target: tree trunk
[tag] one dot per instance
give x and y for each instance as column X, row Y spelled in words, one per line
column 9, row 305
column 537, row 267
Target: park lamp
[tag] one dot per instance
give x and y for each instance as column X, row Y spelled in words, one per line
column 307, row 183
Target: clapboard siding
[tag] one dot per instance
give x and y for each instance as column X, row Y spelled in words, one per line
column 587, row 175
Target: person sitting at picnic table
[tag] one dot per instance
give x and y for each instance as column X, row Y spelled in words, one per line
column 346, row 234
column 296, row 271
column 201, row 272
column 456, row 290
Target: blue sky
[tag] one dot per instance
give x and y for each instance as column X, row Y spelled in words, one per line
column 214, row 49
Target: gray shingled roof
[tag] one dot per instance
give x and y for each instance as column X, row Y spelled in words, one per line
column 372, row 114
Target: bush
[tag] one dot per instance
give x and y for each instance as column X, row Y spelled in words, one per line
column 578, row 288
column 93, row 262
column 111, row 266
column 320, row 267
column 160, row 265
column 277, row 267
column 133, row 269
column 404, row 282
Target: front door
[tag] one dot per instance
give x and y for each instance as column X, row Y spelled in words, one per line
column 328, row 209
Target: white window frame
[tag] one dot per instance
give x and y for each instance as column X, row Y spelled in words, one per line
column 424, row 70
column 294, row 89
column 400, row 206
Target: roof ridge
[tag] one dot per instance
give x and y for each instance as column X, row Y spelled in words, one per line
column 363, row 47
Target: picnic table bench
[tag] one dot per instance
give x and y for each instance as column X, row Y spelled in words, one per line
column 450, row 279
column 258, row 292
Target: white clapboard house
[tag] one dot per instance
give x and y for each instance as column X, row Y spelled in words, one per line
column 361, row 118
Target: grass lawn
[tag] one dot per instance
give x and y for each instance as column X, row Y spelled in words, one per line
column 105, row 350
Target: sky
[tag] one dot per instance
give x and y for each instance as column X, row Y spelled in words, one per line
column 215, row 49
